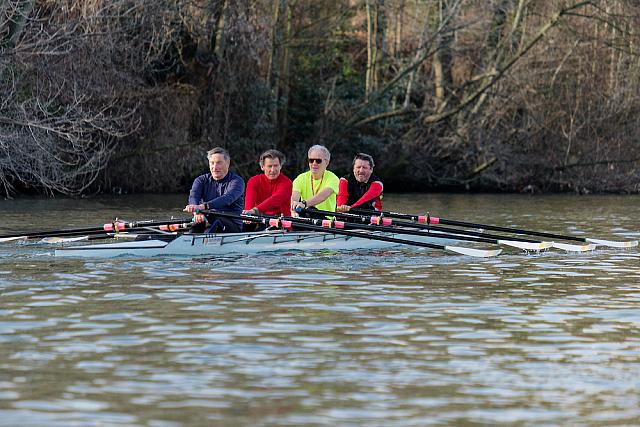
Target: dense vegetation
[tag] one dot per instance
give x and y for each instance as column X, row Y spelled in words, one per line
column 508, row 95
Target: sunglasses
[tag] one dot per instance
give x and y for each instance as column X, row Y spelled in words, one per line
column 318, row 161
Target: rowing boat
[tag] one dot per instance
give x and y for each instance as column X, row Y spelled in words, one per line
column 194, row 245
column 309, row 234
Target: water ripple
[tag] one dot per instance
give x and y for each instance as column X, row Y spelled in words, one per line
column 388, row 338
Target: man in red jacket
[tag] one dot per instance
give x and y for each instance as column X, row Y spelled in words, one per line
column 269, row 192
column 360, row 189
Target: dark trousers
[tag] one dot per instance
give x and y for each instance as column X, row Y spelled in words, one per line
column 254, row 227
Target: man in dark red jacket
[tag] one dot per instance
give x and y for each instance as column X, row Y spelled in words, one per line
column 361, row 188
column 269, row 192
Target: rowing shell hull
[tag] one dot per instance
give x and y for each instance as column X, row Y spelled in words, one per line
column 246, row 243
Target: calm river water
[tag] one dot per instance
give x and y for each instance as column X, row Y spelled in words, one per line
column 394, row 338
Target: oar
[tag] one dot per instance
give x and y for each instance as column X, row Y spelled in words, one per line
column 164, row 229
column 326, row 229
column 428, row 219
column 423, row 225
column 33, row 234
column 115, row 226
column 452, row 233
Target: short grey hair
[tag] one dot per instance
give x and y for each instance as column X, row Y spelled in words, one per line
column 325, row 152
column 218, row 150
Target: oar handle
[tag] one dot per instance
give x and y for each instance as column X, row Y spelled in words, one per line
column 410, row 217
column 346, row 215
column 118, row 225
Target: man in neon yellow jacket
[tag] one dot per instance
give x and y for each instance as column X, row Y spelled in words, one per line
column 317, row 187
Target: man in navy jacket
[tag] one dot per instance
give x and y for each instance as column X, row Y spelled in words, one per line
column 220, row 190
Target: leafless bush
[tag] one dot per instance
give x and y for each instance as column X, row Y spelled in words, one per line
column 60, row 117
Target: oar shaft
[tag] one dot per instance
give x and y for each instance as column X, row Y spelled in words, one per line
column 116, row 225
column 387, row 213
column 51, row 233
column 429, row 220
column 508, row 229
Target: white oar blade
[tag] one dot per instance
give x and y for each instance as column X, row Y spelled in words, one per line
column 11, row 239
column 526, row 246
column 474, row 252
column 54, row 240
column 125, row 236
column 573, row 248
column 613, row 243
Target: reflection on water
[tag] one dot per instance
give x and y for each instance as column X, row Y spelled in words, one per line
column 387, row 338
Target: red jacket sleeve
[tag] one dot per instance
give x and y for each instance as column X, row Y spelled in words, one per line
column 281, row 195
column 251, row 194
column 375, row 190
column 343, row 192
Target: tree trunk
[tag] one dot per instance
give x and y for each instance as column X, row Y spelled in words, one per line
column 397, row 39
column 277, row 59
column 419, row 54
column 371, row 47
column 375, row 44
column 283, row 99
column 497, row 48
column 442, row 57
column 217, row 9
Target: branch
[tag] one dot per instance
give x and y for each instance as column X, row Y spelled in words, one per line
column 495, row 76
column 375, row 96
column 595, row 163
